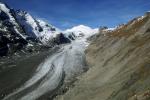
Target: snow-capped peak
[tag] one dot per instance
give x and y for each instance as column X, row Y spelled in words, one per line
column 81, row 28
column 28, row 23
column 82, row 31
column 48, row 31
column 4, row 8
column 37, row 28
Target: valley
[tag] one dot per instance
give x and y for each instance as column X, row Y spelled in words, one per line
column 39, row 61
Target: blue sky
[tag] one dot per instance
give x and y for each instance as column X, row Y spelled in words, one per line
column 94, row 13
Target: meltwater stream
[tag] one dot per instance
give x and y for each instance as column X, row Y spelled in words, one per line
column 65, row 63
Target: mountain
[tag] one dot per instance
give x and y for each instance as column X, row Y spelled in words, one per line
column 119, row 62
column 10, row 31
column 80, row 31
column 36, row 28
column 18, row 30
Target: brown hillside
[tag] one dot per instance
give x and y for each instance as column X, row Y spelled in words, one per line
column 120, row 65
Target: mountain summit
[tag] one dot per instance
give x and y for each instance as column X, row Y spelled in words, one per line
column 82, row 31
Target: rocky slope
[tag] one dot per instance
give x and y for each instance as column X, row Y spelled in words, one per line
column 120, row 65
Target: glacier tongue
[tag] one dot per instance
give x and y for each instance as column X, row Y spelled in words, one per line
column 66, row 63
column 63, row 65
